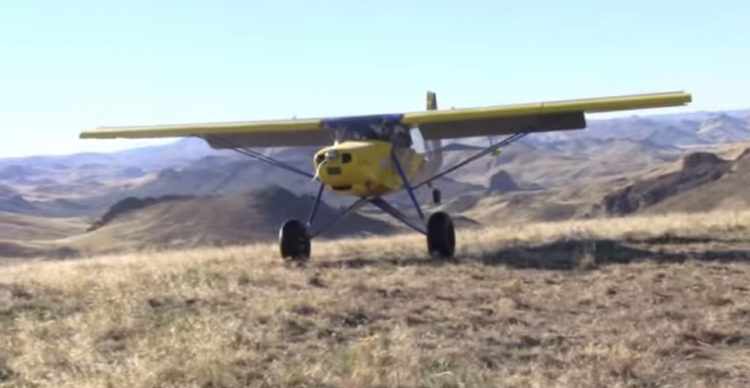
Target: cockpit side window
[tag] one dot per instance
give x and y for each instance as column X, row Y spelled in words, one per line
column 400, row 137
column 417, row 140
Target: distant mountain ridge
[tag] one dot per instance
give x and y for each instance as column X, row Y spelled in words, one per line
column 151, row 158
column 724, row 129
column 665, row 130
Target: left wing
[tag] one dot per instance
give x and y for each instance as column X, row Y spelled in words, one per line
column 268, row 133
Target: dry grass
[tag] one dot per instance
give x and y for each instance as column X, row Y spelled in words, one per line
column 638, row 302
column 27, row 227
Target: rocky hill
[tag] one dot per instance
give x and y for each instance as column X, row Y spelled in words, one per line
column 704, row 182
column 254, row 216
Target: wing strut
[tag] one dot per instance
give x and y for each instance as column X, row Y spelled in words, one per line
column 395, row 213
column 507, row 141
column 354, row 206
column 407, row 185
column 258, row 156
column 316, row 205
column 377, row 202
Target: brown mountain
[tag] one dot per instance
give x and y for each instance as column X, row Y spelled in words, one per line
column 211, row 220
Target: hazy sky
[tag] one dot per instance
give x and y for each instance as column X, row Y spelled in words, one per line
column 70, row 65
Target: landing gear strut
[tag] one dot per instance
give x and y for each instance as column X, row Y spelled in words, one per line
column 437, row 197
column 295, row 236
column 441, row 236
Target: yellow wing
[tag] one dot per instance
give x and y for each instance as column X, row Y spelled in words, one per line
column 531, row 117
column 435, row 124
column 266, row 133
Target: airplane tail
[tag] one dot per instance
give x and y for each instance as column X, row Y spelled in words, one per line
column 431, row 100
column 433, row 148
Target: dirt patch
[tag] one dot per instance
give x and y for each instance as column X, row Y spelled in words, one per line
column 114, row 340
column 170, row 303
column 35, row 303
column 6, row 373
column 304, row 310
column 713, row 337
column 15, row 250
column 352, row 319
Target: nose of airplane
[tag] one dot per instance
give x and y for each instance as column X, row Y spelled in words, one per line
column 350, row 166
column 330, row 166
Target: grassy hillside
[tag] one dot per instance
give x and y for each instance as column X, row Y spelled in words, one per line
column 23, row 237
column 634, row 302
column 24, row 227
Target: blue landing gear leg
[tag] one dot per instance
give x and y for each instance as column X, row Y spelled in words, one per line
column 441, row 236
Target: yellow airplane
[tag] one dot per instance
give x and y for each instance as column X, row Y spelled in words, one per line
column 371, row 156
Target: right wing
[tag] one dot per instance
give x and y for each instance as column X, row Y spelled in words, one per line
column 531, row 117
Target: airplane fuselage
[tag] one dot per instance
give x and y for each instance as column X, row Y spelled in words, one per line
column 365, row 168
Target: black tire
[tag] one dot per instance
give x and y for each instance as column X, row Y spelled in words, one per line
column 437, row 197
column 441, row 236
column 294, row 241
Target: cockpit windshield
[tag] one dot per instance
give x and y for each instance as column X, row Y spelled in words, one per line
column 381, row 127
column 398, row 135
column 349, row 134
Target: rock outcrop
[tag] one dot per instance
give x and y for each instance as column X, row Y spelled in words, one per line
column 698, row 169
